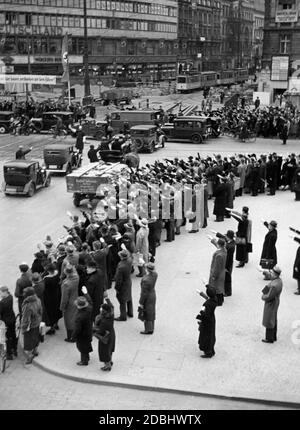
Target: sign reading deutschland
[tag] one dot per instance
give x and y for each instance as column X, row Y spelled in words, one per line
column 28, row 79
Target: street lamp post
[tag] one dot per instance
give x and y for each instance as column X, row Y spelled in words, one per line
column 28, row 66
column 87, row 88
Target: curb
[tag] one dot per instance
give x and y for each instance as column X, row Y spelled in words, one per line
column 167, row 390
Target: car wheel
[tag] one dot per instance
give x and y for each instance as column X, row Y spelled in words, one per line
column 196, row 138
column 31, row 190
column 48, row 182
column 151, row 147
column 2, row 129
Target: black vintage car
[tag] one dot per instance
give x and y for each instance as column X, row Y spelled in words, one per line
column 5, row 121
column 24, row 177
column 90, row 128
column 61, row 158
column 194, row 128
column 49, row 120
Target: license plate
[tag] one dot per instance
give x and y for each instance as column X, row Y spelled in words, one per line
column 10, row 189
column 52, row 167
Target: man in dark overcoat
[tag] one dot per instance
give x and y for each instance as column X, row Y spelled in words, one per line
column 148, row 298
column 207, row 324
column 79, row 140
column 230, row 248
column 123, row 286
column 83, row 329
column 271, row 297
column 95, row 285
column 269, row 247
column 220, row 199
column 23, row 282
column 217, row 270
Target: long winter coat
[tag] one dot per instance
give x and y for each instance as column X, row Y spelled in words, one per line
column 207, row 326
column 31, row 319
column 296, row 273
column 148, row 295
column 269, row 246
column 6, row 310
column 272, row 299
column 142, row 243
column 83, row 330
column 69, row 293
column 104, row 324
column 220, row 199
column 52, row 298
column 242, row 174
column 217, row 270
column 242, row 232
column 95, row 284
column 100, row 258
column 123, row 280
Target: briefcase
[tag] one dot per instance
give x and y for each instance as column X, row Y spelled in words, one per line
column 267, row 263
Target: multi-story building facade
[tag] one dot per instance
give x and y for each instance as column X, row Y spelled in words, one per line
column 237, row 33
column 125, row 37
column 258, row 33
column 199, row 33
column 281, row 47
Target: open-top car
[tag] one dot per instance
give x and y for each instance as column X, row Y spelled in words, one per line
column 192, row 128
column 90, row 128
column 24, row 177
column 5, row 121
column 49, row 120
column 61, row 158
column 146, row 138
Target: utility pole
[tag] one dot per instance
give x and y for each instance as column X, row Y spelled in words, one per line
column 28, row 65
column 87, row 88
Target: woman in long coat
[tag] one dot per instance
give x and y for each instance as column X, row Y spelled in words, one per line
column 52, row 297
column 69, row 293
column 271, row 297
column 207, row 324
column 269, row 247
column 148, row 298
column 30, row 323
column 105, row 331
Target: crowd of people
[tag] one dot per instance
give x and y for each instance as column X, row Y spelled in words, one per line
column 70, row 279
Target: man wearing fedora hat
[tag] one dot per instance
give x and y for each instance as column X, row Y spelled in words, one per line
column 269, row 251
column 148, row 298
column 123, row 285
column 217, row 270
column 271, row 297
column 83, row 328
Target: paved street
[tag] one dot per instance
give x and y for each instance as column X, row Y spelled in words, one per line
column 24, row 387
column 243, row 366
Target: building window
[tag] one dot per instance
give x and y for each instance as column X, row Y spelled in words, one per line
column 285, row 42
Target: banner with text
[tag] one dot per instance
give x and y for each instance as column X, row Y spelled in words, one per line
column 28, row 79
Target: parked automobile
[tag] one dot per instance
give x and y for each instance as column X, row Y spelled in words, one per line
column 133, row 117
column 192, row 128
column 90, row 127
column 49, row 120
column 6, row 118
column 146, row 138
column 24, row 177
column 61, row 158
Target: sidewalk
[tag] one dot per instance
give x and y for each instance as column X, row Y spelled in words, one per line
column 243, row 367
